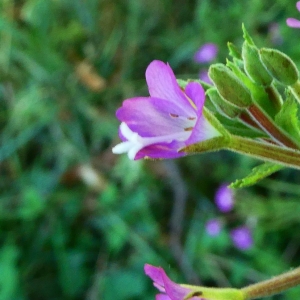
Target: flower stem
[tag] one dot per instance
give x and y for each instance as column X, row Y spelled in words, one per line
column 273, row 153
column 274, row 96
column 273, row 286
column 270, row 127
column 247, row 120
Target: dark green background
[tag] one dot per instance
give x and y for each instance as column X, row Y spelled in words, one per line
column 65, row 67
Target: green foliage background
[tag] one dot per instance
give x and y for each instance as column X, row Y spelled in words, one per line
column 77, row 222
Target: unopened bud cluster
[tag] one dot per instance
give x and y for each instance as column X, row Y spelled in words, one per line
column 251, row 89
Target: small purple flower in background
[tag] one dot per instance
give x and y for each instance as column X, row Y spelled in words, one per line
column 274, row 33
column 169, row 290
column 203, row 75
column 213, row 227
column 206, row 53
column 170, row 119
column 291, row 22
column 224, row 198
column 242, row 237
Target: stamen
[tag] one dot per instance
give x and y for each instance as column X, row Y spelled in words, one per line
column 188, row 129
column 174, row 116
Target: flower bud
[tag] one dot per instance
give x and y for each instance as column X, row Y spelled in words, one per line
column 222, row 106
column 253, row 65
column 229, row 86
column 279, row 65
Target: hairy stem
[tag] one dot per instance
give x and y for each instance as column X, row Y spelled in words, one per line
column 284, row 156
column 274, row 285
column 271, row 128
column 274, row 96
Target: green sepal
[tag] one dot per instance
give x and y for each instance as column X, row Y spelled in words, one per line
column 222, row 106
column 215, row 122
column 247, row 36
column 279, row 65
column 234, row 51
column 254, row 67
column 240, row 127
column 287, row 118
column 230, row 87
column 258, row 173
column 214, row 293
column 211, row 145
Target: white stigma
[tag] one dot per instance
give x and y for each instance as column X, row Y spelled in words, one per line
column 135, row 142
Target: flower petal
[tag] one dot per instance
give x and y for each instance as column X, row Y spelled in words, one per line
column 224, row 198
column 242, row 237
column 206, row 53
column 155, row 273
column 162, row 297
column 162, row 150
column 152, row 116
column 298, row 5
column 162, row 84
column 213, row 227
column 196, row 93
column 291, row 22
column 203, row 75
column 173, row 290
column 202, row 131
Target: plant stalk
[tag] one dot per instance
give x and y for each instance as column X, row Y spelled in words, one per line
column 274, row 97
column 269, row 152
column 273, row 286
column 271, row 128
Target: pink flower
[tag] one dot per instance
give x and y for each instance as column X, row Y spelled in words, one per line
column 242, row 237
column 206, row 53
column 169, row 290
column 213, row 227
column 203, row 75
column 170, row 119
column 291, row 22
column 274, row 33
column 224, row 198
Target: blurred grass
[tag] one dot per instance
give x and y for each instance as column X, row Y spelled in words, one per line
column 77, row 222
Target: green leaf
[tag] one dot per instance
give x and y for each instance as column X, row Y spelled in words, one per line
column 32, row 204
column 234, row 51
column 247, row 36
column 275, row 213
column 9, row 281
column 11, row 145
column 130, row 284
column 258, row 173
column 287, row 118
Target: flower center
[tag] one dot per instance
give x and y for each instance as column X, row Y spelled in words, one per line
column 135, row 142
